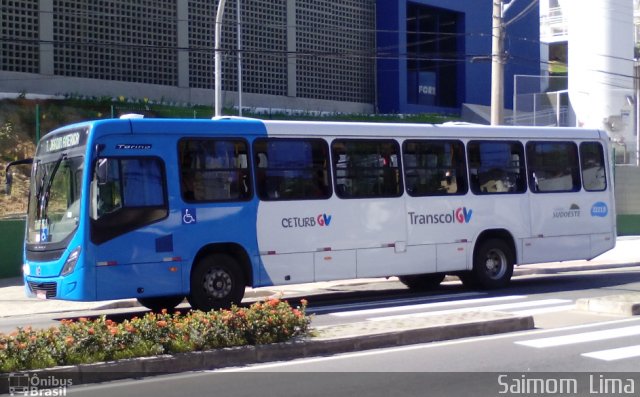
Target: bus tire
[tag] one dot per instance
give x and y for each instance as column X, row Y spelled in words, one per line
column 216, row 283
column 162, row 302
column 422, row 282
column 492, row 265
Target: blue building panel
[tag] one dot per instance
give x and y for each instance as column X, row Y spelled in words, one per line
column 449, row 42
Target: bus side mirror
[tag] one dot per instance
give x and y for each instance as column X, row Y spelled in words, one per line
column 102, row 171
column 9, row 174
column 9, row 183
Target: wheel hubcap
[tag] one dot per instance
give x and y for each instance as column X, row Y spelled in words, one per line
column 217, row 283
column 496, row 264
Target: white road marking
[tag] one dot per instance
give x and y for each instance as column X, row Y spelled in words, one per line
column 581, row 338
column 427, row 346
column 367, row 312
column 396, row 302
column 542, row 310
column 615, row 354
column 501, row 307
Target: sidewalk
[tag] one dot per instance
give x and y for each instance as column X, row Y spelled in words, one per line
column 13, row 301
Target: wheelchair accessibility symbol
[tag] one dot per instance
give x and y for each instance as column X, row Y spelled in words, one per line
column 189, row 216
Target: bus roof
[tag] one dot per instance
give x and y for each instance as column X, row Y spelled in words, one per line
column 250, row 127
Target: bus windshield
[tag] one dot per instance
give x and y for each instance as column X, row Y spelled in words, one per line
column 54, row 199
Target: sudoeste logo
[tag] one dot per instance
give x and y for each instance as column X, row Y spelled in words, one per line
column 599, row 209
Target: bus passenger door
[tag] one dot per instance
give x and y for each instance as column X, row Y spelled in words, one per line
column 129, row 227
column 561, row 212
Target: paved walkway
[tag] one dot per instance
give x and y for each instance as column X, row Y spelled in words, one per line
column 13, row 301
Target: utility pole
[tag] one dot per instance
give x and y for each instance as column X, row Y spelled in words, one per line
column 497, row 65
column 239, row 45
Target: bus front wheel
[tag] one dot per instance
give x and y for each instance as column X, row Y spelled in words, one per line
column 216, row 283
column 162, row 302
column 492, row 266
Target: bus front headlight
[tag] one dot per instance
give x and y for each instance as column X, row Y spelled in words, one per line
column 26, row 270
column 70, row 264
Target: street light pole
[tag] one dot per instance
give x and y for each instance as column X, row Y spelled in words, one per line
column 218, row 61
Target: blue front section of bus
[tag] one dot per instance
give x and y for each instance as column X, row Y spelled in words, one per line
column 155, row 259
column 44, row 280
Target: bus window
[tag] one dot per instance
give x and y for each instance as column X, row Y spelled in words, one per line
column 366, row 168
column 292, row 169
column 129, row 195
column 553, row 167
column 214, row 170
column 434, row 168
column 496, row 167
column 594, row 177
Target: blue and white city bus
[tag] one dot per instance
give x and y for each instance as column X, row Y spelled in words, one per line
column 163, row 209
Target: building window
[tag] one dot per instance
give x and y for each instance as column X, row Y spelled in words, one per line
column 432, row 70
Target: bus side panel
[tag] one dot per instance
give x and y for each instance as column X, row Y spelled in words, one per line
column 565, row 224
column 314, row 226
column 334, row 265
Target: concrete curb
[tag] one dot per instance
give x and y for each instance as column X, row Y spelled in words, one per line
column 522, row 270
column 625, row 304
column 308, row 347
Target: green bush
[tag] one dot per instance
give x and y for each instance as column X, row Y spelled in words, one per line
column 89, row 341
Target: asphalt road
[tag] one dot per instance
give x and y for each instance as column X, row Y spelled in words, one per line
column 593, row 353
column 475, row 366
column 553, row 291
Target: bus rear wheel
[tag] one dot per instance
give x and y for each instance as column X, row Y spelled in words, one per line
column 216, row 283
column 492, row 266
column 422, row 282
column 162, row 302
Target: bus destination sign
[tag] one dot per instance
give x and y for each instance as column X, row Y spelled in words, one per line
column 62, row 142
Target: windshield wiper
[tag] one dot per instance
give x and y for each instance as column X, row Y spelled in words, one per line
column 44, row 199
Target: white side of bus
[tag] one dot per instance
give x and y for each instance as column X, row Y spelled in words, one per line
column 318, row 240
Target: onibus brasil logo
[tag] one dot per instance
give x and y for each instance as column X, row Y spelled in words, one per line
column 33, row 385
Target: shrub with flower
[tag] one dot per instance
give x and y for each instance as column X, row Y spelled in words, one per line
column 101, row 339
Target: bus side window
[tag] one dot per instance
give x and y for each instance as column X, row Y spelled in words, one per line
column 214, row 170
column 130, row 195
column 366, row 168
column 594, row 177
column 292, row 169
column 553, row 166
column 495, row 167
column 434, row 167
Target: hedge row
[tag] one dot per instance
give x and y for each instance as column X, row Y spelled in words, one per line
column 88, row 341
